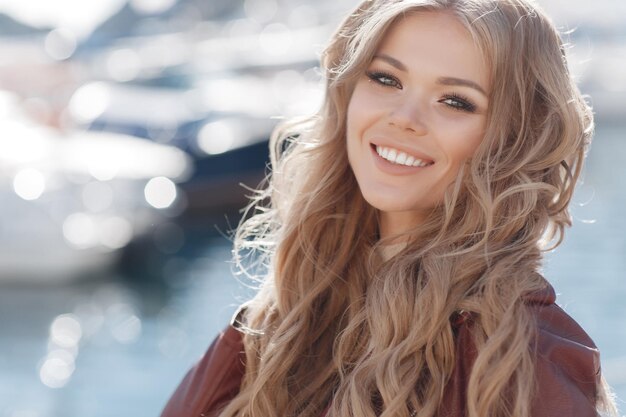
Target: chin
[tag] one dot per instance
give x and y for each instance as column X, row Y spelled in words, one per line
column 390, row 204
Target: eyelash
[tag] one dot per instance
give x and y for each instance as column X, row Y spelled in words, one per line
column 377, row 77
column 460, row 102
column 453, row 100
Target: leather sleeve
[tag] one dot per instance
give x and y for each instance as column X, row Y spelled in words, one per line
column 212, row 382
column 568, row 367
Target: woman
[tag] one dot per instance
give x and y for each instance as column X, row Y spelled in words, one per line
column 405, row 229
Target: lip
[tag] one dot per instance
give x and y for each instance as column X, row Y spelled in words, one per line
column 393, row 169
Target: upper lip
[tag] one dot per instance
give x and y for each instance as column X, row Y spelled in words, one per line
column 409, row 151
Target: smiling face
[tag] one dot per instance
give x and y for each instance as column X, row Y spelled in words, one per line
column 415, row 116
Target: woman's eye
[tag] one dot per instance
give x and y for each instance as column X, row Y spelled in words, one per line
column 459, row 103
column 384, row 79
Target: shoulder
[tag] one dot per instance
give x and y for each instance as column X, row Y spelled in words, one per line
column 213, row 381
column 567, row 360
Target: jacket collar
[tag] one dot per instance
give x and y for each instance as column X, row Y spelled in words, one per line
column 543, row 297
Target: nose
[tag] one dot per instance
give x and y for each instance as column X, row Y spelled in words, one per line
column 408, row 115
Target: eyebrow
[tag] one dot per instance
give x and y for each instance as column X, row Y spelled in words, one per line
column 441, row 80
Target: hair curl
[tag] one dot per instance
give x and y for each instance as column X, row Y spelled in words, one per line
column 336, row 323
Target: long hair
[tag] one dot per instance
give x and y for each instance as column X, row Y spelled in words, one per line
column 333, row 323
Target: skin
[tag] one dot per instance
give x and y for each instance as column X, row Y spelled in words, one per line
column 425, row 93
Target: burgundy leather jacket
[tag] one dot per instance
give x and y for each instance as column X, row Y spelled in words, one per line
column 567, row 372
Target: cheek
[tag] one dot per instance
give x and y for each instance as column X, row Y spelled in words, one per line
column 351, row 142
column 469, row 150
column 359, row 110
column 354, row 129
column 475, row 142
column 466, row 147
column 460, row 147
column 352, row 118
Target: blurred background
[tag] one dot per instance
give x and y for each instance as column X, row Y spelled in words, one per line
column 130, row 134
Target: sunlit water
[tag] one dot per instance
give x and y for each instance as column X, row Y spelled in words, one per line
column 136, row 340
column 119, row 347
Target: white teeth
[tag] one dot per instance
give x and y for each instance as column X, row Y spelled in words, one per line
column 400, row 158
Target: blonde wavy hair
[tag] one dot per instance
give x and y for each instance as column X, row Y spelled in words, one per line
column 334, row 323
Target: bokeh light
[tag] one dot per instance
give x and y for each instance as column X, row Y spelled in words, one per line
column 116, row 232
column 89, row 101
column 58, row 365
column 60, row 44
column 160, row 192
column 260, row 10
column 57, row 369
column 123, row 64
column 276, row 39
column 80, row 230
column 29, row 184
column 77, row 15
column 66, row 331
column 151, row 6
column 217, row 137
column 303, row 15
column 32, row 146
column 123, row 322
column 104, row 171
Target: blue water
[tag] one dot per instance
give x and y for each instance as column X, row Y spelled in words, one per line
column 588, row 270
column 117, row 372
column 138, row 338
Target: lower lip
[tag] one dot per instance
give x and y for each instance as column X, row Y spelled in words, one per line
column 391, row 168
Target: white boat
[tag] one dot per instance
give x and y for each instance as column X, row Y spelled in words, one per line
column 70, row 202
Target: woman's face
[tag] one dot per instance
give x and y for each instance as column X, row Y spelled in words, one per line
column 415, row 116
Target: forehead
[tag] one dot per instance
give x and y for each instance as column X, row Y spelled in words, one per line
column 435, row 42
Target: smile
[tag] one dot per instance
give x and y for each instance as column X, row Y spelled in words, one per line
column 401, row 158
